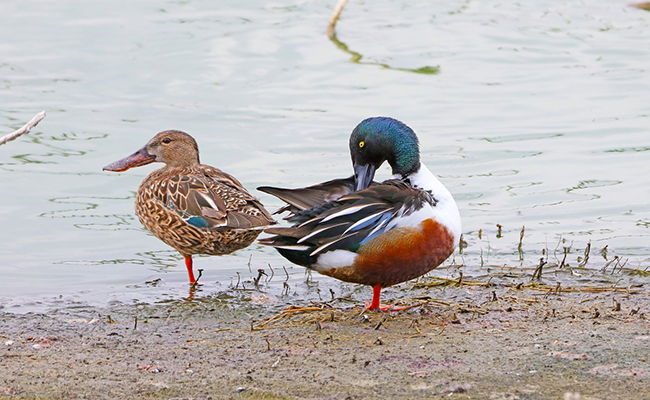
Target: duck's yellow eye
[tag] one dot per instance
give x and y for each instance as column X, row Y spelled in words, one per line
column 361, row 144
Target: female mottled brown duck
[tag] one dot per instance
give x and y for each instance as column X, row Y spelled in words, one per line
column 192, row 207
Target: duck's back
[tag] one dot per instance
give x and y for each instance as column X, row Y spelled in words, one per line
column 199, row 210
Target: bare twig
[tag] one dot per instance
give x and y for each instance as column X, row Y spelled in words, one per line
column 566, row 251
column 643, row 6
column 380, row 323
column 25, row 129
column 260, row 273
column 338, row 9
column 538, row 271
column 613, row 260
column 272, row 273
column 521, row 240
column 196, row 282
column 586, row 259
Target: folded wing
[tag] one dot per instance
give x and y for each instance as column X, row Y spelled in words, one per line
column 348, row 222
column 214, row 200
column 301, row 199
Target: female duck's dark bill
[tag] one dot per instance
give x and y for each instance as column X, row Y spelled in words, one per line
column 139, row 158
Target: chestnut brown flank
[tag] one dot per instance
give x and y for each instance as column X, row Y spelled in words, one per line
column 398, row 255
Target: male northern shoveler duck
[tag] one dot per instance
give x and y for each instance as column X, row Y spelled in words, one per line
column 192, row 207
column 377, row 234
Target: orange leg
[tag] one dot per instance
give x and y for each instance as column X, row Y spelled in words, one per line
column 190, row 271
column 376, row 292
column 375, row 305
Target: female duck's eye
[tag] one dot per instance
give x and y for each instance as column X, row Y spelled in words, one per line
column 361, row 145
column 166, row 140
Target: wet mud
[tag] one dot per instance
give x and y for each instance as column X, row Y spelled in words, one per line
column 466, row 342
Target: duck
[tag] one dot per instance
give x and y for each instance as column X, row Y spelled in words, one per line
column 371, row 233
column 192, row 207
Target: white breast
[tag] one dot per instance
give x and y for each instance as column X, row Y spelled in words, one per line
column 445, row 212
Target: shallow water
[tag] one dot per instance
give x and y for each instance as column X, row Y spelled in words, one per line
column 533, row 115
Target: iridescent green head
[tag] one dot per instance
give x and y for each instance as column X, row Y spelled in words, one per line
column 380, row 139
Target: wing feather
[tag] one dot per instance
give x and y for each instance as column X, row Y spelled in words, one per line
column 208, row 198
column 349, row 222
column 301, row 199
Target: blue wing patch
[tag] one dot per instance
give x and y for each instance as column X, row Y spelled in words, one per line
column 197, row 222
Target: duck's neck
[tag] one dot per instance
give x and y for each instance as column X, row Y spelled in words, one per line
column 424, row 179
column 167, row 168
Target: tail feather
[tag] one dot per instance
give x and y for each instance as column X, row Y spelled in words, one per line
column 301, row 199
column 289, row 248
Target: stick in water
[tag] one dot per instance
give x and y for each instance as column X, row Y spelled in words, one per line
column 25, row 129
column 331, row 26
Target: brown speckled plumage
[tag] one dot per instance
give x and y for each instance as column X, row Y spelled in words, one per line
column 167, row 195
column 194, row 208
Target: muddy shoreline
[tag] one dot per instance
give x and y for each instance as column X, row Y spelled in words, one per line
column 470, row 342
